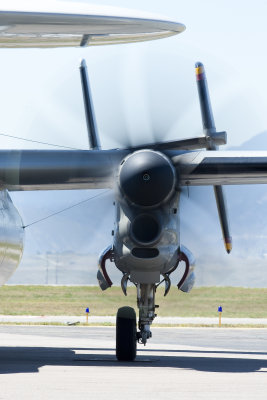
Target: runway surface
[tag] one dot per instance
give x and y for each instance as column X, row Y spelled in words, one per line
column 46, row 362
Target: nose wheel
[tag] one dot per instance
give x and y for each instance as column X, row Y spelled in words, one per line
column 126, row 334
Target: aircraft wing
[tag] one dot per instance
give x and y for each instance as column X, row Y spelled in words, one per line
column 58, row 169
column 91, row 169
column 221, row 167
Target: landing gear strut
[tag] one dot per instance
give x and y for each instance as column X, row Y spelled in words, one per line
column 126, row 334
column 146, row 305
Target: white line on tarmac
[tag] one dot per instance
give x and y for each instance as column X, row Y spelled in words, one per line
column 112, row 319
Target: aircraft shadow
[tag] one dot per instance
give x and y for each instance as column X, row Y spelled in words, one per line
column 30, row 359
column 258, row 353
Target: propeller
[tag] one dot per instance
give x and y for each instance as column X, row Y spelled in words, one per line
column 151, row 110
column 93, row 138
column 209, row 130
column 211, row 139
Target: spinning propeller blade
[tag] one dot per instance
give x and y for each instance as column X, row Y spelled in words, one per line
column 89, row 109
column 209, row 130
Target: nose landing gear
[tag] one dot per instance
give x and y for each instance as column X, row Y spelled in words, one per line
column 126, row 334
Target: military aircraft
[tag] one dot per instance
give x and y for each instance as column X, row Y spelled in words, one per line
column 147, row 180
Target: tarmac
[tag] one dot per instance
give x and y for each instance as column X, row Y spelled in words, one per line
column 72, row 319
column 73, row 362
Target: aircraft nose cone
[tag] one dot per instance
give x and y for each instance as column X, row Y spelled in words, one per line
column 147, row 178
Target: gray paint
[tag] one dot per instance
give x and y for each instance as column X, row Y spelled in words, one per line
column 79, row 26
column 164, row 212
column 221, row 168
column 11, row 237
column 53, row 170
column 90, row 169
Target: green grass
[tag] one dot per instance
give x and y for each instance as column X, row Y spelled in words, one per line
column 72, row 300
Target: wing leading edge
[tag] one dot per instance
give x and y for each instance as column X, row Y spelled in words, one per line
column 90, row 169
column 57, row 169
column 221, row 168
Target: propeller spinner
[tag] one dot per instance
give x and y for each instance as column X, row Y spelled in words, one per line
column 147, row 178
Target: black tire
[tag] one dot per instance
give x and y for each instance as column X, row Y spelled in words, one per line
column 126, row 334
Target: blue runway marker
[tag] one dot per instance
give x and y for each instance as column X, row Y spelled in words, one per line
column 220, row 315
column 87, row 313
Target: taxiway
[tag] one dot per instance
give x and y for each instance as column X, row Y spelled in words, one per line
column 79, row 362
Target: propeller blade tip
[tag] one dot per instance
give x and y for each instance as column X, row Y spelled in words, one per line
column 228, row 245
column 200, row 71
column 82, row 63
column 199, row 64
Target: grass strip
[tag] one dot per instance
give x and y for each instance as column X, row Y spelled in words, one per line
column 73, row 300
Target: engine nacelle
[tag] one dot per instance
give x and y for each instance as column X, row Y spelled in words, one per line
column 147, row 178
column 188, row 280
column 11, row 237
column 146, row 237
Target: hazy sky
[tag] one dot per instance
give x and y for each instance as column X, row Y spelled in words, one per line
column 147, row 90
